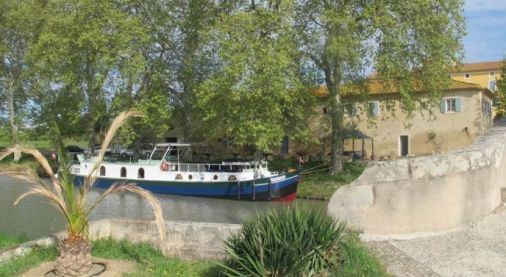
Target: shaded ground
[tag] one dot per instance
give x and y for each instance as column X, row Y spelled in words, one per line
column 115, row 268
column 478, row 250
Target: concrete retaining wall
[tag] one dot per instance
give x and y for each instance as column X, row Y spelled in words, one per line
column 426, row 195
column 187, row 240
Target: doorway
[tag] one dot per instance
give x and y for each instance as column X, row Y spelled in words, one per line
column 404, row 145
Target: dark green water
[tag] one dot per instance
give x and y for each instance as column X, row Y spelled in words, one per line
column 35, row 217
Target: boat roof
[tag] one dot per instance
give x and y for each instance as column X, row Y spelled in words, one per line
column 180, row 144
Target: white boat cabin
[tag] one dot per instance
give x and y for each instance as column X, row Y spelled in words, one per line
column 173, row 162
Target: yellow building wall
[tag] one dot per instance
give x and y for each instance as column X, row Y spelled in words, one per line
column 452, row 130
column 477, row 77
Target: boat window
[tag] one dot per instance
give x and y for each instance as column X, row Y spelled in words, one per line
column 179, row 177
column 232, row 178
column 215, row 177
column 190, row 177
column 141, row 173
column 123, row 172
column 102, row 171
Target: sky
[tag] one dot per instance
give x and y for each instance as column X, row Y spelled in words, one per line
column 486, row 30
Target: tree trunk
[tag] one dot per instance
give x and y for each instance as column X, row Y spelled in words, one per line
column 74, row 258
column 336, row 162
column 333, row 82
column 12, row 119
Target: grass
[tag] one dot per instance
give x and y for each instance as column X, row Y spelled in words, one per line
column 150, row 262
column 20, row 264
column 8, row 241
column 358, row 260
column 320, row 185
column 43, row 144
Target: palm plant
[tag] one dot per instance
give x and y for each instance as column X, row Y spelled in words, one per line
column 74, row 252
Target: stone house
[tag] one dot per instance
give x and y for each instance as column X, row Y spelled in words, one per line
column 464, row 112
column 484, row 74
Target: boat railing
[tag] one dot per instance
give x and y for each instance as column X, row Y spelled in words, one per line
column 213, row 167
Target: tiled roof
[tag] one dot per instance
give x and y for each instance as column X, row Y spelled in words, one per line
column 482, row 66
column 376, row 88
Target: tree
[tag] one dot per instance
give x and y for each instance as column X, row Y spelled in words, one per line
column 74, row 252
column 181, row 53
column 500, row 100
column 17, row 32
column 86, row 50
column 411, row 45
column 255, row 95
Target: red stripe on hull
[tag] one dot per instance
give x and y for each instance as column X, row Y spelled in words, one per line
column 289, row 198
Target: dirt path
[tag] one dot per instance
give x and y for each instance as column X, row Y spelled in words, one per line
column 115, row 268
column 479, row 250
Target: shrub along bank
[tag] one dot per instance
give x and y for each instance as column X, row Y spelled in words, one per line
column 315, row 182
column 290, row 242
column 298, row 242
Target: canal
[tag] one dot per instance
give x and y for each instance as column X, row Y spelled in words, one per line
column 34, row 217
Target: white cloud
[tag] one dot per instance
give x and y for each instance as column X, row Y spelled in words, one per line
column 484, row 5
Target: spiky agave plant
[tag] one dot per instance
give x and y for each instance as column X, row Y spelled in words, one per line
column 74, row 252
column 287, row 242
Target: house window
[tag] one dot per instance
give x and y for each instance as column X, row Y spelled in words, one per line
column 487, row 108
column 451, row 105
column 492, row 85
column 350, row 109
column 492, row 74
column 102, row 171
column 467, row 75
column 140, row 174
column 123, row 172
column 373, row 108
column 324, row 109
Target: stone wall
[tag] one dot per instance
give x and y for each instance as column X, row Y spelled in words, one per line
column 186, row 240
column 426, row 195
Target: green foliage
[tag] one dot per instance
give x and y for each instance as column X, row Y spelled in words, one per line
column 411, row 45
column 20, row 264
column 500, row 99
column 86, row 52
column 287, row 242
column 358, row 260
column 7, row 241
column 255, row 95
column 150, row 262
column 320, row 185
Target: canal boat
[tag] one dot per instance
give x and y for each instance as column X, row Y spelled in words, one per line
column 169, row 170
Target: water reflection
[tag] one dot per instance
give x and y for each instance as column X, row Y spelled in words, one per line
column 34, row 217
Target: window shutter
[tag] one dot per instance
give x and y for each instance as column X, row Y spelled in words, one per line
column 458, row 105
column 442, row 105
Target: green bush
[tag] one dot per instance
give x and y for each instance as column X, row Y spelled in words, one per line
column 287, row 242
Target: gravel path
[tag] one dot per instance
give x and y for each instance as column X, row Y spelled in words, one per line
column 479, row 250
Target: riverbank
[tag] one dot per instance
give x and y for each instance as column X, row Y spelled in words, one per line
column 8, row 241
column 357, row 260
column 320, row 185
column 149, row 261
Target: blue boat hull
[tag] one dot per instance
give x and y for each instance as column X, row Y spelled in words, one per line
column 260, row 189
